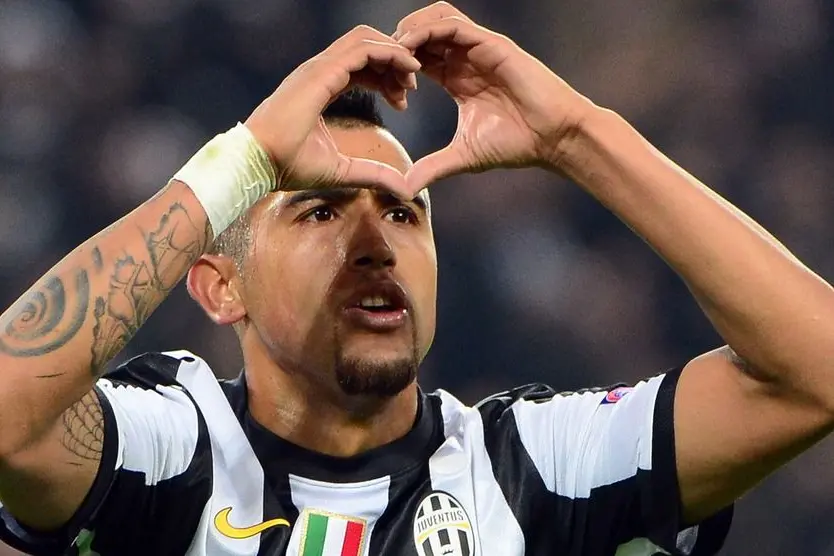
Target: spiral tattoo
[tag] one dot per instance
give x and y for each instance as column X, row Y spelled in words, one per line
column 44, row 323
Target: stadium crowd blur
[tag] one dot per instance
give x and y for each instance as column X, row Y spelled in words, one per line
column 102, row 100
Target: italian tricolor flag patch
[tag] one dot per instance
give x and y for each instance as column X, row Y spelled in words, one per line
column 327, row 534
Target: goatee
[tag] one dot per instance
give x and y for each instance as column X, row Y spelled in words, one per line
column 380, row 379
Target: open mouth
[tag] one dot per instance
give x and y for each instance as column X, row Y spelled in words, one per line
column 380, row 306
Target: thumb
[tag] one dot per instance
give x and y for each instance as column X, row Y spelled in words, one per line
column 364, row 172
column 435, row 166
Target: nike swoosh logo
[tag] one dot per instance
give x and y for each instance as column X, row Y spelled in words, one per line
column 221, row 522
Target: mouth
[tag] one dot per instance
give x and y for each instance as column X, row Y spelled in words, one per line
column 378, row 306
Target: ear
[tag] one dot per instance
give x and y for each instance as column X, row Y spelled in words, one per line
column 214, row 283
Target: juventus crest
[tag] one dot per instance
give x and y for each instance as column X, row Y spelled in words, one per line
column 442, row 528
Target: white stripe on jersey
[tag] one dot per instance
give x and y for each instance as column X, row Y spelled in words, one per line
column 144, row 417
column 364, row 500
column 238, row 478
column 462, row 467
column 587, row 443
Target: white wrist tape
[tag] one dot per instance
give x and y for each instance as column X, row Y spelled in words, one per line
column 228, row 175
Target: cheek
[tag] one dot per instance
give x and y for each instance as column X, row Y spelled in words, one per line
column 424, row 288
column 296, row 287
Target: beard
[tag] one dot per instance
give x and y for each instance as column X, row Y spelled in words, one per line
column 379, row 379
column 364, row 376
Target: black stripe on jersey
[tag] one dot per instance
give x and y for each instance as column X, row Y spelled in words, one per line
column 614, row 513
column 394, row 530
column 148, row 371
column 664, row 510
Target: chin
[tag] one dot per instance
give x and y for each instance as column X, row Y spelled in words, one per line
column 375, row 374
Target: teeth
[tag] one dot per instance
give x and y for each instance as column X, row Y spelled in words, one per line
column 371, row 302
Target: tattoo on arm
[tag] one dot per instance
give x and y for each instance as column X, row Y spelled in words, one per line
column 47, row 319
column 137, row 286
column 55, row 311
column 83, row 433
column 97, row 260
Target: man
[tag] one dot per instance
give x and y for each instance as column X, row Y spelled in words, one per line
column 324, row 263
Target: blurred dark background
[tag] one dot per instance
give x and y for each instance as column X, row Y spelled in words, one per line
column 102, row 100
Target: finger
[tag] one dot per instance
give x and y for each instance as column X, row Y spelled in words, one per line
column 433, row 66
column 394, row 91
column 388, row 85
column 358, row 33
column 433, row 167
column 363, row 172
column 371, row 53
column 407, row 81
column 367, row 79
column 454, row 30
column 438, row 10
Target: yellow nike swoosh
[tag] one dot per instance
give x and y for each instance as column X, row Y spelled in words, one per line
column 221, row 521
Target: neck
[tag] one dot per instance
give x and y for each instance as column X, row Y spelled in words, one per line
column 320, row 417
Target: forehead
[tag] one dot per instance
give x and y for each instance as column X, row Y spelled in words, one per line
column 365, row 142
column 373, row 143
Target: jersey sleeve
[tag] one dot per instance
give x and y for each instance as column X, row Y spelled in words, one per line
column 596, row 470
column 154, row 477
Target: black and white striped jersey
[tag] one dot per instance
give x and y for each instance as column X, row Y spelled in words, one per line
column 187, row 471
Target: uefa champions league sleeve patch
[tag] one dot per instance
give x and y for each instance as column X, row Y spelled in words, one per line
column 616, row 395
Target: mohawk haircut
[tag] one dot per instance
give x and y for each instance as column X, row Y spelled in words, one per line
column 355, row 108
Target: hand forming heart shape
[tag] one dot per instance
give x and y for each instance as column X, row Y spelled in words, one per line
column 512, row 110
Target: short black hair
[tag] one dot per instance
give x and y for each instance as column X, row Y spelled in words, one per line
column 353, row 108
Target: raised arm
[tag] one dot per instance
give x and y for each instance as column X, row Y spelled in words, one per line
column 57, row 338
column 745, row 409
column 740, row 411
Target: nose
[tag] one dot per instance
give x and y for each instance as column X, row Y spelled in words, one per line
column 369, row 249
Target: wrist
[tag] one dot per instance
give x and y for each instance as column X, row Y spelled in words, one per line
column 228, row 175
column 578, row 139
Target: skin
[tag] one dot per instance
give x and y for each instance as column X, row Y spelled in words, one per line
column 741, row 411
column 304, row 258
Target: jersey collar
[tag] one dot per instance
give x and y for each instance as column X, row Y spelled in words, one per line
column 279, row 456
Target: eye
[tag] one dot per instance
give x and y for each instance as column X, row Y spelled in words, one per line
column 402, row 215
column 321, row 213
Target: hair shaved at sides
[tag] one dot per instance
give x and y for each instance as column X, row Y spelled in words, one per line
column 352, row 109
column 234, row 241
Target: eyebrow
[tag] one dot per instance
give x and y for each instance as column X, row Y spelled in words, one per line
column 342, row 195
column 345, row 195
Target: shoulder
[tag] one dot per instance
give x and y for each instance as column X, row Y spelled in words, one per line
column 493, row 407
column 156, row 384
column 151, row 370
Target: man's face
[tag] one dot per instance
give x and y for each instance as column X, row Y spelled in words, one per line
column 341, row 284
